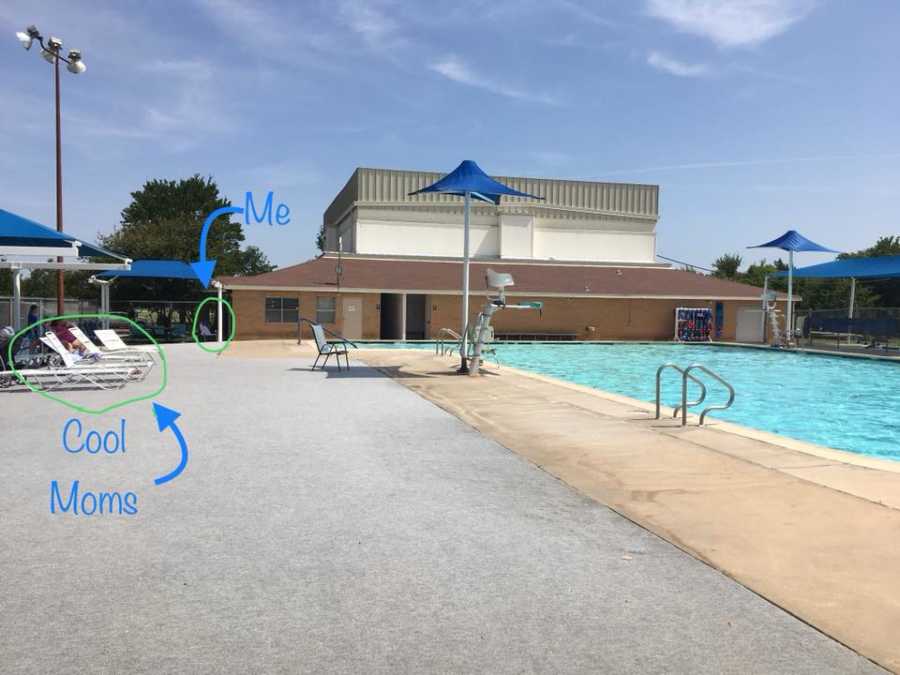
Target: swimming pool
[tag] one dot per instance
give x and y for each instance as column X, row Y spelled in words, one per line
column 850, row 404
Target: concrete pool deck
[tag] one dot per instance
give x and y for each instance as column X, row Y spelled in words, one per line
column 814, row 530
column 341, row 523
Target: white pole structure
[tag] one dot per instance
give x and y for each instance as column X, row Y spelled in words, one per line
column 852, row 302
column 790, row 307
column 765, row 306
column 17, row 299
column 104, row 298
column 104, row 303
column 219, row 335
column 464, row 365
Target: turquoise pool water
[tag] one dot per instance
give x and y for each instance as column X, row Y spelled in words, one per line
column 850, row 404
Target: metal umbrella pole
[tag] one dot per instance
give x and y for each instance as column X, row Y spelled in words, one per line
column 790, row 307
column 463, row 351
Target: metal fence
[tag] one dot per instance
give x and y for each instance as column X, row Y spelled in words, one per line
column 170, row 321
column 166, row 321
column 869, row 329
column 46, row 307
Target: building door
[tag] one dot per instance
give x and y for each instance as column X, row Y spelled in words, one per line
column 352, row 318
column 415, row 317
column 391, row 316
column 749, row 325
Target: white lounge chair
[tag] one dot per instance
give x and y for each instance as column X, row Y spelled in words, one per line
column 86, row 370
column 141, row 359
column 114, row 343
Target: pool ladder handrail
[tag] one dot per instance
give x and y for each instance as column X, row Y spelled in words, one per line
column 685, row 376
column 440, row 347
column 659, row 372
column 715, row 376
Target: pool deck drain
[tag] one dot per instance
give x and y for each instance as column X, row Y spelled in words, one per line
column 813, row 530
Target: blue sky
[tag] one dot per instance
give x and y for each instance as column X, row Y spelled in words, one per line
column 753, row 116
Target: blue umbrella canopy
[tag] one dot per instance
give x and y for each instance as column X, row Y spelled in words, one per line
column 468, row 177
column 794, row 241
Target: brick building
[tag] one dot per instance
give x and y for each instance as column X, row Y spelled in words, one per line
column 587, row 252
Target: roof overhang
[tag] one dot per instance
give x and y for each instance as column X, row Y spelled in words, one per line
column 486, row 292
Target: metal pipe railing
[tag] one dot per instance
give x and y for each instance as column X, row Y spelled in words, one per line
column 439, row 346
column 684, row 393
column 684, row 378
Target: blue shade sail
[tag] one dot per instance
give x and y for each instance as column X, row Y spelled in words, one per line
column 18, row 231
column 468, row 177
column 794, row 241
column 881, row 267
column 153, row 269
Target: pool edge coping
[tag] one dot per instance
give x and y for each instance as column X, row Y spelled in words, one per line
column 791, row 444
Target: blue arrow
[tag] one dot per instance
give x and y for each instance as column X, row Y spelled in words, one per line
column 203, row 268
column 165, row 418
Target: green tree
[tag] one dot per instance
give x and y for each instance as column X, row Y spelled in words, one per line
column 881, row 292
column 726, row 266
column 42, row 284
column 164, row 221
column 254, row 261
column 757, row 272
column 320, row 238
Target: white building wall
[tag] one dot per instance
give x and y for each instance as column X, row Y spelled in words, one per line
column 577, row 221
column 424, row 238
column 516, row 236
column 593, row 245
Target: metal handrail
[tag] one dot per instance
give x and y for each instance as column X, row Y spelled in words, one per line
column 442, row 333
column 684, row 378
column 684, row 393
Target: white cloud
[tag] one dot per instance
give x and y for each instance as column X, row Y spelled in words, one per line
column 457, row 71
column 584, row 14
column 731, row 23
column 675, row 67
column 378, row 31
column 290, row 37
column 192, row 69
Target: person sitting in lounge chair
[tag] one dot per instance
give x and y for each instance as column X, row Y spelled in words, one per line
column 60, row 328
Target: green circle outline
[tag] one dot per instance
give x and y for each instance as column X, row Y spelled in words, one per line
column 74, row 406
column 197, row 316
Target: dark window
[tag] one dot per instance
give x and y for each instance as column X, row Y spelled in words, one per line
column 282, row 310
column 325, row 310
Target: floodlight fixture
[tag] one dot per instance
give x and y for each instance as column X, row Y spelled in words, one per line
column 75, row 65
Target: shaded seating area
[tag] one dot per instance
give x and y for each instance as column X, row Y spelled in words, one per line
column 873, row 328
column 26, row 245
column 162, row 327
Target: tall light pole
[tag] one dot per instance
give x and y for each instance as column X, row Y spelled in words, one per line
column 51, row 53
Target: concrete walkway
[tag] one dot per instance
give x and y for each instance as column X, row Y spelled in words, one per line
column 341, row 523
column 813, row 534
